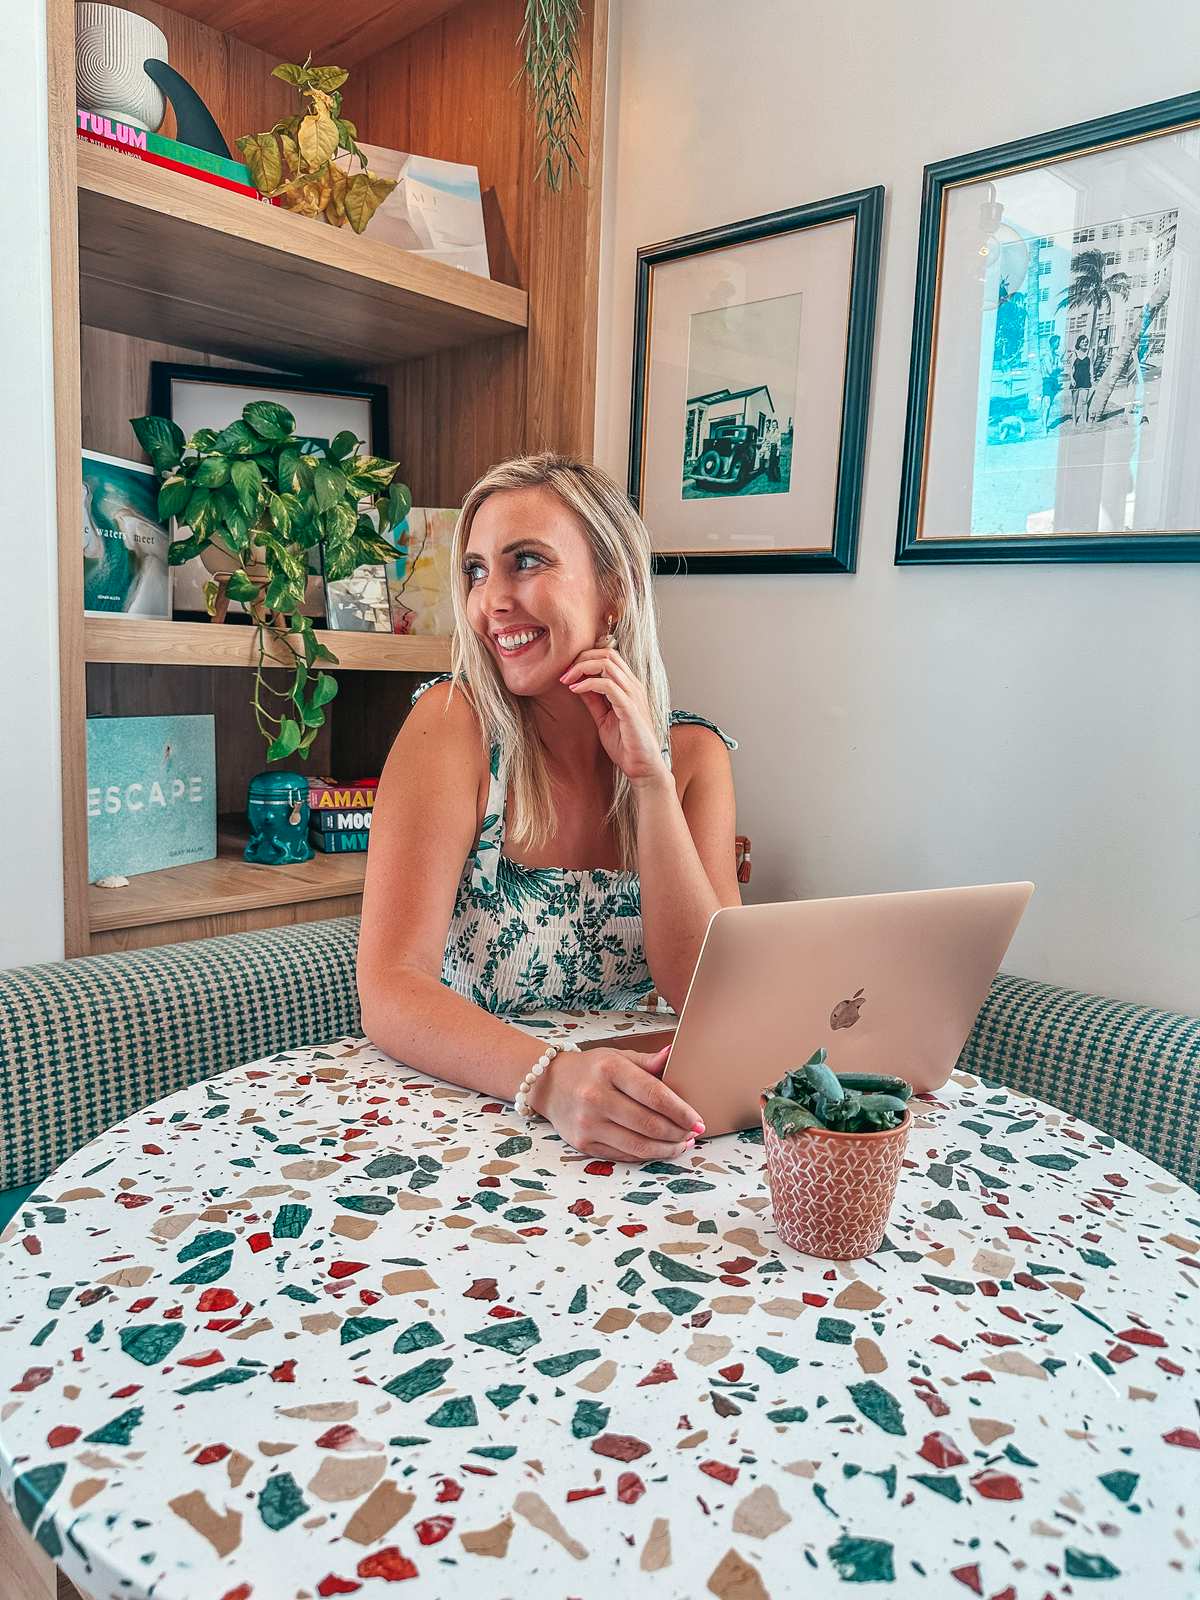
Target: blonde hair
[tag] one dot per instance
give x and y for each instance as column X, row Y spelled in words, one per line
column 620, row 549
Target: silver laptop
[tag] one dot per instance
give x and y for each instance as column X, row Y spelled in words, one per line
column 888, row 983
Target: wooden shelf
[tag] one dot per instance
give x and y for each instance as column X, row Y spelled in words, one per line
column 167, row 257
column 144, row 641
column 339, row 34
column 228, row 884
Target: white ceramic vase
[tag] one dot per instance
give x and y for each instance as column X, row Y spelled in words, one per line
column 110, row 47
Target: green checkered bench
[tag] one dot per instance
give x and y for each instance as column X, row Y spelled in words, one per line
column 86, row 1043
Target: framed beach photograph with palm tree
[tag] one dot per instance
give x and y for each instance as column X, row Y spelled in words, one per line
column 1054, row 393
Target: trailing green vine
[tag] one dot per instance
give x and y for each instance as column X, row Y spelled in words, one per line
column 550, row 38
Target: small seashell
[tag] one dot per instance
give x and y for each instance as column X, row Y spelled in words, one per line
column 115, row 881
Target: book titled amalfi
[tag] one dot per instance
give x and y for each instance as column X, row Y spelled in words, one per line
column 151, row 793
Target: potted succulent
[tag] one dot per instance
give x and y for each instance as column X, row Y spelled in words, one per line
column 255, row 498
column 834, row 1143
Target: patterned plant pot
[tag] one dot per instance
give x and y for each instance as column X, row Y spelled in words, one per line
column 832, row 1193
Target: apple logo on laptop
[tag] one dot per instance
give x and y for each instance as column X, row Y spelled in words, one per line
column 845, row 1013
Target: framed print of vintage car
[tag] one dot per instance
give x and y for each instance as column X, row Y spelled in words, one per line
column 1053, row 400
column 751, row 377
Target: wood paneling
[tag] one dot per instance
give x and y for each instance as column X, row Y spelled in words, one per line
column 449, row 90
column 335, row 34
column 162, row 256
column 231, row 77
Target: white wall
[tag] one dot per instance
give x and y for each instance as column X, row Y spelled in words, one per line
column 912, row 727
column 31, row 844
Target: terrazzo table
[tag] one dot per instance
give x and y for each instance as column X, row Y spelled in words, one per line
column 320, row 1326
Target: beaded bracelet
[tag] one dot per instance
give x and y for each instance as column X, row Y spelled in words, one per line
column 521, row 1099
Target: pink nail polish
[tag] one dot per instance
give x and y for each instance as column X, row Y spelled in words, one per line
column 697, row 1127
column 689, row 1144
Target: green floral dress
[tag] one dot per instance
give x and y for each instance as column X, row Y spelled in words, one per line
column 528, row 938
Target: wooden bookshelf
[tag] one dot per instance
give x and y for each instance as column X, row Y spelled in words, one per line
column 143, row 641
column 165, row 256
column 151, row 265
column 206, row 897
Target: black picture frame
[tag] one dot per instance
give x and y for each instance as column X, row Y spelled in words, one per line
column 163, row 375
column 865, row 208
column 1126, row 127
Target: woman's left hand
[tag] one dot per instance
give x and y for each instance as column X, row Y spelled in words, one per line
column 618, row 703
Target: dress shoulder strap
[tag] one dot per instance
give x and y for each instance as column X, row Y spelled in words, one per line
column 703, row 722
column 442, row 677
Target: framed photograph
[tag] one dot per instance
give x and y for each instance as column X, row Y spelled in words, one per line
column 125, row 541
column 751, row 378
column 209, row 397
column 1053, row 401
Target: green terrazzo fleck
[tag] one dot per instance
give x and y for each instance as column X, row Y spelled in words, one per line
column 524, row 1214
column 419, row 1337
column 456, row 1413
column 119, row 1430
column 494, row 1452
column 834, row 1330
column 504, row 1395
column 630, row 1282
column 219, row 1380
column 878, row 1405
column 578, row 1301
column 559, row 1366
column 33, row 1490
column 419, row 1380
column 678, row 1301
column 368, row 1205
column 514, row 1337
column 363, row 1327
column 788, row 1414
column 291, row 1221
column 1057, row 1162
column 776, row 1360
column 295, row 1292
column 1120, row 1484
column 387, row 1166
column 203, row 1243
column 208, row 1270
column 590, row 1418
column 863, row 1560
column 1081, row 1565
column 281, row 1502
column 947, row 1486
column 677, row 1271
column 151, row 1342
column 515, row 1146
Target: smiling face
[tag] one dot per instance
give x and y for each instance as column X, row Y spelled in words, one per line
column 532, row 594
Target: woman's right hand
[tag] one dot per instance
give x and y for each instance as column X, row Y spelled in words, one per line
column 611, row 1104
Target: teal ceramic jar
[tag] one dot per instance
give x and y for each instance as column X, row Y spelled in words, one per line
column 277, row 811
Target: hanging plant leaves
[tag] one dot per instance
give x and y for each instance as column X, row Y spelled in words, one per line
column 262, row 154
column 269, row 420
column 365, row 193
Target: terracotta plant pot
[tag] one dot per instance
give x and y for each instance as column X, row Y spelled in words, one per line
column 832, row 1193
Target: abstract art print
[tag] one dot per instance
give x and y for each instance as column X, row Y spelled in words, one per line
column 419, row 583
column 752, row 361
column 1052, row 402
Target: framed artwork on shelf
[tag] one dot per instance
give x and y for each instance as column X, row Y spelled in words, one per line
column 1053, row 395
column 751, row 380
column 125, row 541
column 210, row 397
column 419, row 583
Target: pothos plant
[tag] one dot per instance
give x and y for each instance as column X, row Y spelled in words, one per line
column 295, row 162
column 265, row 496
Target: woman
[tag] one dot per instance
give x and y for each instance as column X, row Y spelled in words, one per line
column 1081, row 380
column 547, row 833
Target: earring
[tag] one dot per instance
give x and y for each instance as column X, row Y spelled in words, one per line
column 609, row 639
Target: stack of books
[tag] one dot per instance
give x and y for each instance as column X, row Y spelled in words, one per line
column 157, row 151
column 339, row 814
